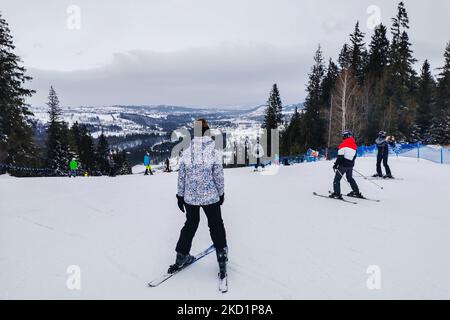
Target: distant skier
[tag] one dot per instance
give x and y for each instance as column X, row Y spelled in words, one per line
column 383, row 142
column 247, row 160
column 344, row 166
column 112, row 165
column 259, row 154
column 201, row 184
column 167, row 166
column 148, row 168
column 73, row 167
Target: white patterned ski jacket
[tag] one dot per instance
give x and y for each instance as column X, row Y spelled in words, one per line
column 200, row 177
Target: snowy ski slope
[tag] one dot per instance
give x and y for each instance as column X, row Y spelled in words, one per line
column 284, row 242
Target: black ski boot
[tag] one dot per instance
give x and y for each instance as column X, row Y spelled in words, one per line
column 336, row 196
column 355, row 195
column 388, row 176
column 376, row 175
column 181, row 261
column 222, row 258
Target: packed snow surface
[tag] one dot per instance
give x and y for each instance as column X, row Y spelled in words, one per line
column 284, row 243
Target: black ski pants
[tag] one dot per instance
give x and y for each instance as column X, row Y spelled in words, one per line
column 383, row 156
column 215, row 224
column 348, row 172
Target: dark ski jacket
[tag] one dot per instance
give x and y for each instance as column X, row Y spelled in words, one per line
column 383, row 145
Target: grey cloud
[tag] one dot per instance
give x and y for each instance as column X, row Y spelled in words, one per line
column 228, row 75
column 201, row 52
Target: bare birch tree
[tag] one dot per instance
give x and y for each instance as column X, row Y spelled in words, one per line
column 347, row 106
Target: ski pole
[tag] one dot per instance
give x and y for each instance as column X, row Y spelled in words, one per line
column 365, row 178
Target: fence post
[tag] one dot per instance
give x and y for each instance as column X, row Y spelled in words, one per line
column 442, row 154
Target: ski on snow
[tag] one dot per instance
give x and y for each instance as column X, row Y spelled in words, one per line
column 363, row 198
column 156, row 282
column 324, row 196
column 223, row 284
column 384, row 179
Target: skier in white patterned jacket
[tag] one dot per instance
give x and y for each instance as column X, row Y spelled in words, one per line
column 201, row 184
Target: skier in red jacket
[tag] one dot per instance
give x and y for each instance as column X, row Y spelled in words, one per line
column 344, row 166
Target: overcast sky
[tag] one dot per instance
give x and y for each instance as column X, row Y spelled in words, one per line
column 215, row 53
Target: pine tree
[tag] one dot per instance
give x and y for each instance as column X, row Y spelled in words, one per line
column 125, row 167
column 329, row 81
column 345, row 58
column 75, row 138
column 87, row 150
column 121, row 162
column 378, row 52
column 292, row 139
column 402, row 77
column 358, row 53
column 425, row 104
column 314, row 126
column 58, row 155
column 274, row 112
column 328, row 86
column 443, row 93
column 274, row 115
column 102, row 154
column 406, row 62
column 376, row 84
column 440, row 128
column 16, row 144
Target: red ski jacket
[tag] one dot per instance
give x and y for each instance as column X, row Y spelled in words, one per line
column 347, row 153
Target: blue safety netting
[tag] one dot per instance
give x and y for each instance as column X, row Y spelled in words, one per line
column 434, row 153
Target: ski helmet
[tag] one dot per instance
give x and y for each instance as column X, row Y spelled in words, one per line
column 347, row 134
column 382, row 134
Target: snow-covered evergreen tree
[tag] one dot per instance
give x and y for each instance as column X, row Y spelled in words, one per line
column 313, row 121
column 75, row 138
column 16, row 144
column 58, row 153
column 402, row 77
column 375, row 85
column 425, row 105
column 274, row 111
column 274, row 115
column 378, row 52
column 121, row 163
column 329, row 81
column 87, row 150
column 102, row 154
column 440, row 129
column 358, row 53
column 292, row 138
column 345, row 58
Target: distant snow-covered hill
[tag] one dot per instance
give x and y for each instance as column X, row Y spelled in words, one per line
column 138, row 129
column 161, row 119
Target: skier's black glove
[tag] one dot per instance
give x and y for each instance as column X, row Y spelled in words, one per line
column 221, row 199
column 180, row 203
column 335, row 166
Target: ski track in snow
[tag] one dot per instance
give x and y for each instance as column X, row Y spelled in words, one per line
column 284, row 242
